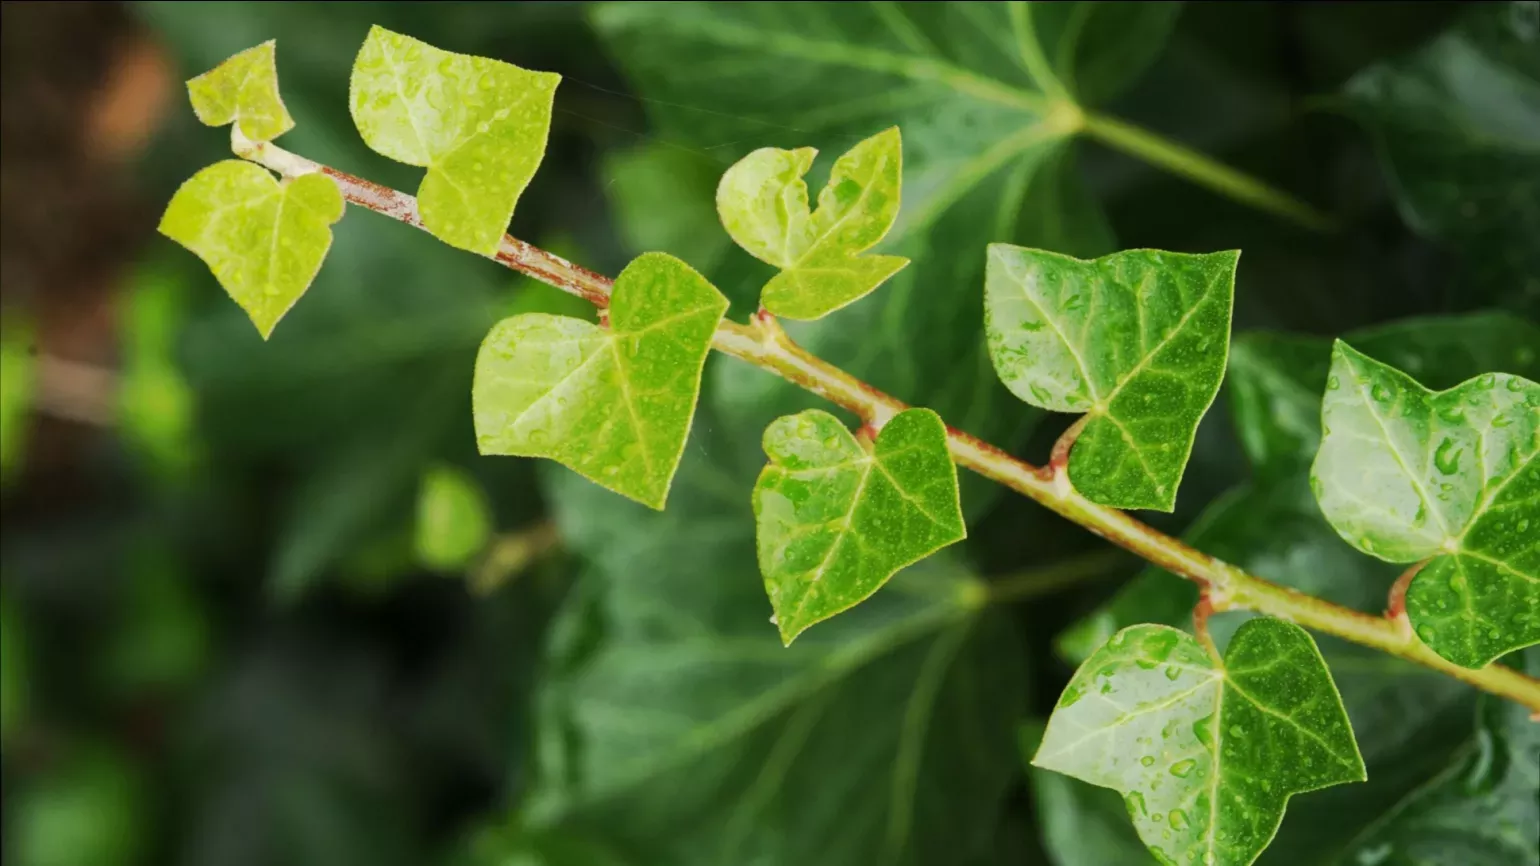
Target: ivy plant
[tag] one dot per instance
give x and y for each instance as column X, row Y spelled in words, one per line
column 1207, row 735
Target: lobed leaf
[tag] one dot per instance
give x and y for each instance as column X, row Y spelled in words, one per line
column 479, row 127
column 1136, row 340
column 243, row 90
column 1408, row 474
column 763, row 204
column 611, row 403
column 264, row 240
column 1206, row 754
column 835, row 519
column 454, row 519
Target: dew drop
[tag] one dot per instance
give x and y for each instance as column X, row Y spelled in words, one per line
column 1381, row 393
column 1178, row 819
column 1147, row 761
column 1173, row 673
column 1447, row 457
column 1333, row 383
column 1135, row 803
column 1486, row 382
column 1515, row 385
column 1237, row 731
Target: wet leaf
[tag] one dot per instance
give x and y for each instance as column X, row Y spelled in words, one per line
column 1206, row 755
column 836, row 519
column 613, row 404
column 243, row 90
column 264, row 240
column 764, row 206
column 1137, row 340
column 479, row 127
column 1407, row 474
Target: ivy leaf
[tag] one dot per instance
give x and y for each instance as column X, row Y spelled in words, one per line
column 1276, row 380
column 613, row 404
column 454, row 519
column 1137, row 340
column 1458, row 128
column 763, row 204
column 1206, row 755
column 1480, row 810
column 243, row 90
column 479, row 127
column 264, row 240
column 1405, row 473
column 836, row 519
column 674, row 727
column 988, row 159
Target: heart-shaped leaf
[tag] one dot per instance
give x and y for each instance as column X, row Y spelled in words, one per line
column 243, row 90
column 264, row 240
column 1405, row 473
column 763, row 204
column 478, row 126
column 1137, row 340
column 835, row 519
column 1206, row 755
column 611, row 403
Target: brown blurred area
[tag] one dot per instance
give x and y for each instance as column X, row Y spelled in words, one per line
column 82, row 88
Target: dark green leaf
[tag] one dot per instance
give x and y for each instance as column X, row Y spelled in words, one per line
column 1458, row 127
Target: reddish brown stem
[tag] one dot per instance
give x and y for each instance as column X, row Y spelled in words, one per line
column 1058, row 458
column 1395, row 606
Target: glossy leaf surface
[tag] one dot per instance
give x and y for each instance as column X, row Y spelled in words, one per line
column 1206, row 755
column 1406, row 474
column 479, row 127
column 1457, row 124
column 836, row 519
column 763, row 203
column 243, row 90
column 612, row 403
column 1137, row 340
column 264, row 240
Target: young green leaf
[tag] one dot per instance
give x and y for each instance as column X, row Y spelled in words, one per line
column 836, row 519
column 613, row 404
column 763, row 204
column 454, row 519
column 479, row 127
column 243, row 90
column 1407, row 474
column 1137, row 340
column 16, row 387
column 1206, row 755
column 264, row 240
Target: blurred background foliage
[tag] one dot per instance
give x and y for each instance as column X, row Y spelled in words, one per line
column 263, row 604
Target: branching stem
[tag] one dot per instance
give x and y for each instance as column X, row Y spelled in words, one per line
column 765, row 345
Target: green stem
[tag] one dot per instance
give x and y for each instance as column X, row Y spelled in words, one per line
column 765, row 345
column 1202, row 170
column 1048, row 579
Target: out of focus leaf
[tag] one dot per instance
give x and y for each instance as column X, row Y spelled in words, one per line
column 162, row 638
column 662, row 197
column 14, row 688
column 454, row 519
column 90, row 809
column 16, row 384
column 156, row 402
column 1458, row 128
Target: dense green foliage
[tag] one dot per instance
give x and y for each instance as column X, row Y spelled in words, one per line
column 627, row 699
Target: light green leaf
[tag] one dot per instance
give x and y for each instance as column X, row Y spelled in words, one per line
column 1137, row 340
column 613, row 404
column 454, row 519
column 479, row 127
column 16, row 386
column 1457, row 126
column 1276, row 380
column 836, row 519
column 157, row 404
column 1206, row 755
column 243, row 90
column 264, row 240
column 763, row 204
column 1407, row 474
